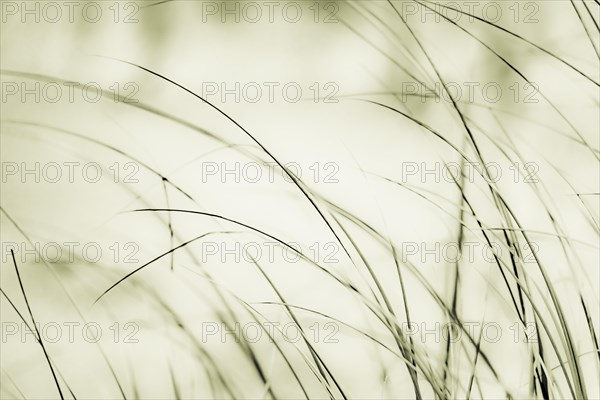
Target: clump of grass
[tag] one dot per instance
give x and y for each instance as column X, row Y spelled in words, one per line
column 377, row 294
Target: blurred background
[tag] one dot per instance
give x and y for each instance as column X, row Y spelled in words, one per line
column 366, row 103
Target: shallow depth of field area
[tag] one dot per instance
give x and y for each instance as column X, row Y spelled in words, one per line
column 311, row 199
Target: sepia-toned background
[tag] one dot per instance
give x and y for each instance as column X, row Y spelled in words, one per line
column 300, row 199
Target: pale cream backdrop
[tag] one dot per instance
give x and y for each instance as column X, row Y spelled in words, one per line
column 365, row 52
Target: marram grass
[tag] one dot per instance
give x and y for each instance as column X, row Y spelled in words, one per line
column 422, row 223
